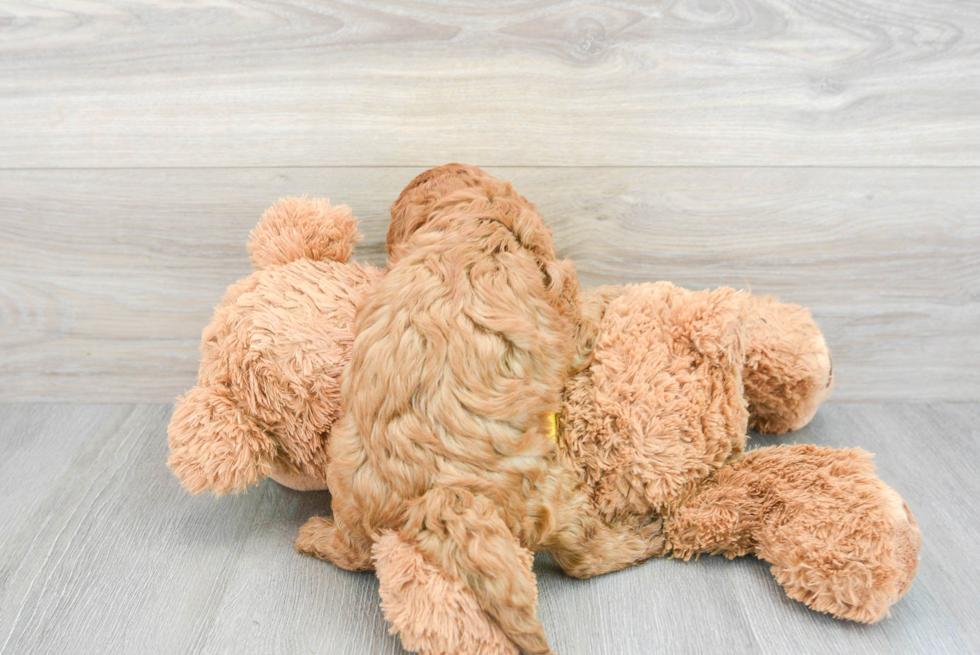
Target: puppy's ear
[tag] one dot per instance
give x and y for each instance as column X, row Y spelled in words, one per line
column 214, row 446
column 563, row 290
column 561, row 281
column 411, row 210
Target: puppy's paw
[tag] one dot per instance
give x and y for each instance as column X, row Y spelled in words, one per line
column 322, row 537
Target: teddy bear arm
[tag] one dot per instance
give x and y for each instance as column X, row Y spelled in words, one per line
column 837, row 537
column 214, row 446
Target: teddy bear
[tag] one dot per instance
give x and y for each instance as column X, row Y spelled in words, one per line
column 655, row 425
column 268, row 388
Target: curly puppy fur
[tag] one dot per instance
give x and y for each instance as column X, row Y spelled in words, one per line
column 268, row 388
column 461, row 353
column 434, row 614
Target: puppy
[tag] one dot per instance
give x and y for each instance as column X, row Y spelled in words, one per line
column 459, row 360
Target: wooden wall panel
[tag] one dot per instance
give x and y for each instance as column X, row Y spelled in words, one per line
column 671, row 82
column 107, row 277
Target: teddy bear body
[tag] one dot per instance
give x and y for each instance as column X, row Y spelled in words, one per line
column 661, row 405
column 657, row 425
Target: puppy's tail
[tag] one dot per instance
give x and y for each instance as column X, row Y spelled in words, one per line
column 297, row 228
column 462, row 537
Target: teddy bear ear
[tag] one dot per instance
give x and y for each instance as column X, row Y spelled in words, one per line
column 298, row 228
column 214, row 446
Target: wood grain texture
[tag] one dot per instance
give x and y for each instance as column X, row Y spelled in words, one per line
column 108, row 277
column 671, row 82
column 101, row 551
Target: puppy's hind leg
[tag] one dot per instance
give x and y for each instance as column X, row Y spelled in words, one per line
column 327, row 539
column 463, row 536
column 585, row 545
column 431, row 612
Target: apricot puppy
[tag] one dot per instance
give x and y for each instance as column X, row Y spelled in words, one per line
column 459, row 360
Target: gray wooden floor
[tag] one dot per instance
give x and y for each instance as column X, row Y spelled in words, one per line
column 826, row 152
column 102, row 552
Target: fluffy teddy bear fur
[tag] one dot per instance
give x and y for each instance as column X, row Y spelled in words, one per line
column 268, row 388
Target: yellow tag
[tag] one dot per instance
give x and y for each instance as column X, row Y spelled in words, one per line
column 553, row 427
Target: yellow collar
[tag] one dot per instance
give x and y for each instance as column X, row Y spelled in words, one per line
column 553, row 426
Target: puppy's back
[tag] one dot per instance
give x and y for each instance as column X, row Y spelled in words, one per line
column 459, row 354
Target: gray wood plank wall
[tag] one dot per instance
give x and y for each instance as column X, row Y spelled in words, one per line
column 828, row 153
column 686, row 82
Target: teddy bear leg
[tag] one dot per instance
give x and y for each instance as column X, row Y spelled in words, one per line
column 788, row 369
column 432, row 613
column 838, row 538
column 329, row 540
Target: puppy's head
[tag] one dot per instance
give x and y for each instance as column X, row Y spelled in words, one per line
column 443, row 194
column 417, row 201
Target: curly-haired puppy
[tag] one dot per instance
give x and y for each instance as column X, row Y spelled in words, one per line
column 460, row 357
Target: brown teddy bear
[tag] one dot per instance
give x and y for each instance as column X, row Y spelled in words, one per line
column 268, row 388
column 654, row 425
